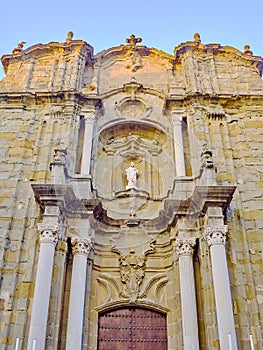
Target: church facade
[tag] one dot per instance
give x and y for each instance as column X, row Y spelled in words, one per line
column 131, row 211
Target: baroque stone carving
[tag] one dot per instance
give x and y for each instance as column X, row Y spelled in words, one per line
column 59, row 156
column 48, row 233
column 216, row 235
column 133, row 244
column 206, row 158
column 185, row 246
column 131, row 174
column 132, row 273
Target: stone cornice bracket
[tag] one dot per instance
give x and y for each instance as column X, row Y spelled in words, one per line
column 184, row 246
column 215, row 235
column 81, row 246
column 48, row 233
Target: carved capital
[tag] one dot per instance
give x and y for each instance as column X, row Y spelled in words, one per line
column 48, row 233
column 80, row 245
column 185, row 246
column 176, row 120
column 89, row 118
column 216, row 235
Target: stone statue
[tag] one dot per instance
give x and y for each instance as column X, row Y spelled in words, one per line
column 131, row 174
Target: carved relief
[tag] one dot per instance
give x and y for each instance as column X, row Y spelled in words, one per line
column 133, row 244
column 132, row 273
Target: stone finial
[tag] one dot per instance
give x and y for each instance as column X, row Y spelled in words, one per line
column 19, row 47
column 69, row 37
column 197, row 38
column 133, row 40
column 247, row 50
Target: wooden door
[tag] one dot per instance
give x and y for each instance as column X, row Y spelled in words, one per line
column 132, row 328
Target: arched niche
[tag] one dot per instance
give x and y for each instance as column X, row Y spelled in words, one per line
column 137, row 142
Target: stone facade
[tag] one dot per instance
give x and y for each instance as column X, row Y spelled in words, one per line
column 78, row 241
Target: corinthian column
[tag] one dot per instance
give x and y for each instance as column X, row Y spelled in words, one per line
column 39, row 315
column 184, row 249
column 216, row 238
column 80, row 248
column 87, row 143
column 178, row 145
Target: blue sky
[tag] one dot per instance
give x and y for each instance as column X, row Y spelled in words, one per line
column 162, row 24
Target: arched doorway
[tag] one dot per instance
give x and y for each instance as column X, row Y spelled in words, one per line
column 132, row 328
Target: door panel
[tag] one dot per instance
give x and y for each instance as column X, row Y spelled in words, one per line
column 132, row 328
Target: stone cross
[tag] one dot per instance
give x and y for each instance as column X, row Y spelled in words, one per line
column 133, row 41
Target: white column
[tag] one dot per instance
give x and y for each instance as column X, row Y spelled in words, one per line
column 39, row 316
column 87, row 143
column 184, row 249
column 81, row 248
column 178, row 145
column 216, row 238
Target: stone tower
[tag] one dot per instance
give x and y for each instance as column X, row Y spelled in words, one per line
column 131, row 197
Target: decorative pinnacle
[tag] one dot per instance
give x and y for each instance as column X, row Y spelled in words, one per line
column 133, row 41
column 247, row 50
column 197, row 38
column 69, row 37
column 19, row 47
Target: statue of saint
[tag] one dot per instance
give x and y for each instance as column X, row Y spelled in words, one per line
column 131, row 174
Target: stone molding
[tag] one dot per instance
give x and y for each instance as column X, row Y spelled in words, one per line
column 215, row 235
column 80, row 246
column 185, row 246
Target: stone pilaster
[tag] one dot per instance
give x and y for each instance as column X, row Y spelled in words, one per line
column 87, row 142
column 48, row 239
column 80, row 249
column 178, row 144
column 216, row 238
column 185, row 248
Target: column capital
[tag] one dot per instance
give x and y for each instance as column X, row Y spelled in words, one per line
column 215, row 235
column 81, row 245
column 89, row 117
column 185, row 246
column 176, row 120
column 48, row 233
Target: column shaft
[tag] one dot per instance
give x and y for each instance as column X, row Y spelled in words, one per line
column 224, row 310
column 178, row 146
column 39, row 315
column 87, row 145
column 187, row 290
column 77, row 295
